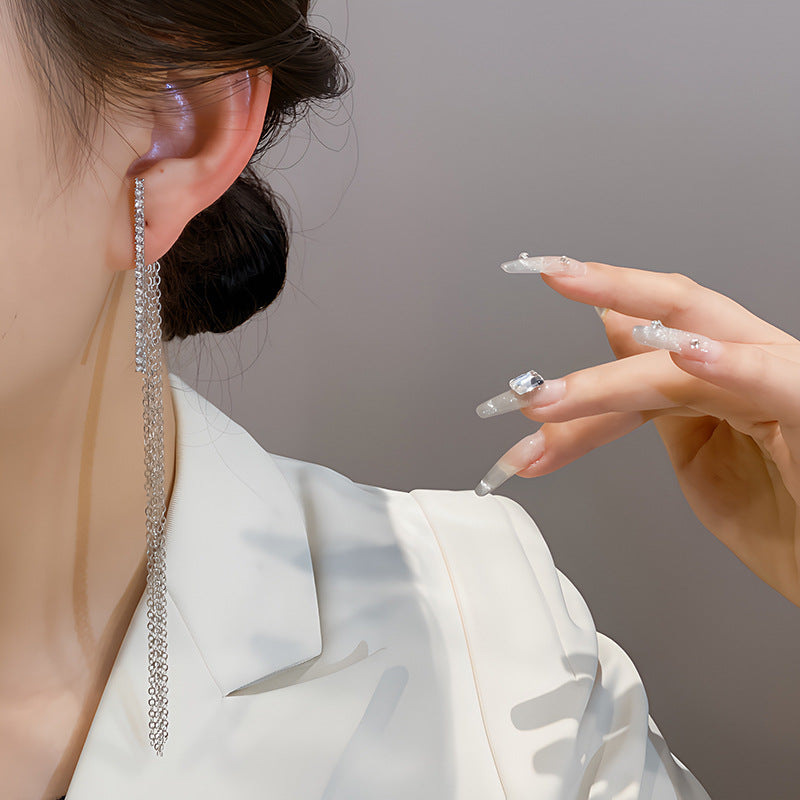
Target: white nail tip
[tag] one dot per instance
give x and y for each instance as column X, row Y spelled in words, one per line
column 482, row 489
column 547, row 265
column 494, row 478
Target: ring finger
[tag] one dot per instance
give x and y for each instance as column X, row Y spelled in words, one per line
column 646, row 382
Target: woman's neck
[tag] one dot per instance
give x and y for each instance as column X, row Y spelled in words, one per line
column 72, row 537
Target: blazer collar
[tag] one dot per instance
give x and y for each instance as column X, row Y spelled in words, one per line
column 239, row 566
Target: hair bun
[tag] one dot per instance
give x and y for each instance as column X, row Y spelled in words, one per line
column 228, row 264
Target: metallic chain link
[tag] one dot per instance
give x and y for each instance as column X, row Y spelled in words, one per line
column 147, row 303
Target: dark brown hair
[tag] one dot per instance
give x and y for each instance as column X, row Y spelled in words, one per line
column 85, row 55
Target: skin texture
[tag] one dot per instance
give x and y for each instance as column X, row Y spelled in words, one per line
column 730, row 419
column 72, row 496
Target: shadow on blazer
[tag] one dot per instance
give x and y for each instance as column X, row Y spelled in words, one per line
column 335, row 641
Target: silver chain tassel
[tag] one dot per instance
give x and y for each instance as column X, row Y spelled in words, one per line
column 148, row 361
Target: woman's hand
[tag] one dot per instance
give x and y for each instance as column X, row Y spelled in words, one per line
column 723, row 391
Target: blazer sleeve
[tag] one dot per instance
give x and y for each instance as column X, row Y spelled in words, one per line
column 565, row 710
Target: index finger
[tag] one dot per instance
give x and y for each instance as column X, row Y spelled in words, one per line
column 674, row 298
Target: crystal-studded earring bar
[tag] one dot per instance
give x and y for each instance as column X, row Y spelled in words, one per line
column 147, row 301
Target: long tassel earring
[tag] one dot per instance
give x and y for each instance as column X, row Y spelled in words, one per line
column 148, row 361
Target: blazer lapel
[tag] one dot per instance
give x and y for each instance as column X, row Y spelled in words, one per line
column 241, row 606
column 238, row 561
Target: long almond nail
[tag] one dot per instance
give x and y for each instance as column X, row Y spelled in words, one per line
column 690, row 345
column 546, row 393
column 547, row 265
column 520, row 456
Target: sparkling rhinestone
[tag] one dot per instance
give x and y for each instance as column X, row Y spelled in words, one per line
column 695, row 344
column 526, row 382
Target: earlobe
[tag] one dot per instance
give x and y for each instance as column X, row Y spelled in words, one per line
column 201, row 142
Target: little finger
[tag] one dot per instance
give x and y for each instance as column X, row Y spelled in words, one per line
column 556, row 444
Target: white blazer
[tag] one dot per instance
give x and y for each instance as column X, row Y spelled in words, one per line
column 335, row 641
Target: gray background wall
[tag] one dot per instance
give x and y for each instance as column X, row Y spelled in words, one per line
column 650, row 134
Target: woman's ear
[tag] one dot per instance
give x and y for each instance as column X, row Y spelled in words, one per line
column 202, row 138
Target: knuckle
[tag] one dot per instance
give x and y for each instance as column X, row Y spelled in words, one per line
column 760, row 360
column 767, row 434
column 680, row 280
column 680, row 291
